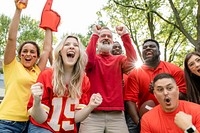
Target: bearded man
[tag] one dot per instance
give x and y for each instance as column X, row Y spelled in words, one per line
column 105, row 72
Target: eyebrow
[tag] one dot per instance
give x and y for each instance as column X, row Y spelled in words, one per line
column 164, row 86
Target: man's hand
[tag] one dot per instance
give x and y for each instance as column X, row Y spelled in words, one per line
column 96, row 29
column 121, row 30
column 183, row 120
column 95, row 100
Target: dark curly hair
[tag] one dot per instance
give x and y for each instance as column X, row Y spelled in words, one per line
column 26, row 42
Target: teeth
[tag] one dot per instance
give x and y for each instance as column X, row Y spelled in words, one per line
column 106, row 42
column 70, row 52
column 148, row 53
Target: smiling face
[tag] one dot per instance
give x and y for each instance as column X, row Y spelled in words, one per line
column 28, row 55
column 70, row 51
column 167, row 93
column 150, row 51
column 116, row 49
column 105, row 41
column 194, row 64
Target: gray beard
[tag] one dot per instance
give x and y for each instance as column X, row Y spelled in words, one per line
column 104, row 47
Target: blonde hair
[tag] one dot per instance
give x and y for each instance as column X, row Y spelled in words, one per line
column 74, row 87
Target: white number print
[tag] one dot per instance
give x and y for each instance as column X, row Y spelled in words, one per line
column 68, row 113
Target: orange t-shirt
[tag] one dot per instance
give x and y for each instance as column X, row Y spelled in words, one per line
column 156, row 120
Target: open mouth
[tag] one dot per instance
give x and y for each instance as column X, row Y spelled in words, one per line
column 198, row 70
column 70, row 54
column 106, row 42
column 167, row 100
column 27, row 59
column 149, row 53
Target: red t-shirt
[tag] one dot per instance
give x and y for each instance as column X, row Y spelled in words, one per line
column 60, row 110
column 157, row 121
column 105, row 73
column 139, row 79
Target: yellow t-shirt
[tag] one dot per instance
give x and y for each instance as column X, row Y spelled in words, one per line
column 18, row 81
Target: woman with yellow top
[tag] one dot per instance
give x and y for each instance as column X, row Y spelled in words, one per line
column 20, row 75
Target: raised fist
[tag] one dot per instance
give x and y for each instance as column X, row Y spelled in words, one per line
column 96, row 29
column 121, row 30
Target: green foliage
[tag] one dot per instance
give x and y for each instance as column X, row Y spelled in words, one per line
column 28, row 30
column 172, row 23
column 4, row 24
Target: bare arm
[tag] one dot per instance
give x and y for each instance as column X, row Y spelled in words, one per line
column 95, row 100
column 51, row 57
column 37, row 112
column 132, row 110
column 47, row 48
column 183, row 121
column 10, row 49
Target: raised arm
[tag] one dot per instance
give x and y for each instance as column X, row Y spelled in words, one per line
column 91, row 48
column 128, row 64
column 49, row 22
column 47, row 48
column 10, row 49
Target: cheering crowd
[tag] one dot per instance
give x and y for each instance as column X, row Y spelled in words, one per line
column 97, row 89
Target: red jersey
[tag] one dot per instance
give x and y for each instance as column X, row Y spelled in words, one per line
column 157, row 121
column 105, row 73
column 60, row 110
column 139, row 79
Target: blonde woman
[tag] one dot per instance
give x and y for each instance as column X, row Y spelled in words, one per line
column 54, row 106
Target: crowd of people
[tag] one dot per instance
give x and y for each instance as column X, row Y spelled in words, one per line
column 97, row 89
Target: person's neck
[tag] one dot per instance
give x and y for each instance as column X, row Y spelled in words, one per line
column 153, row 64
column 68, row 73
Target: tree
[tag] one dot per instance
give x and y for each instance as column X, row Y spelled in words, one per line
column 174, row 29
column 4, row 24
column 28, row 30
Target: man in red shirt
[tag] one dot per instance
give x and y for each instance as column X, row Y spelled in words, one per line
column 171, row 115
column 116, row 48
column 139, row 80
column 105, row 72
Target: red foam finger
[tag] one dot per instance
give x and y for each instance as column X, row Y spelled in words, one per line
column 47, row 6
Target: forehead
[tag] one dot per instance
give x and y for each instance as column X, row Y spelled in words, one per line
column 193, row 57
column 164, row 82
column 29, row 46
column 149, row 43
column 105, row 31
column 71, row 40
column 116, row 44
